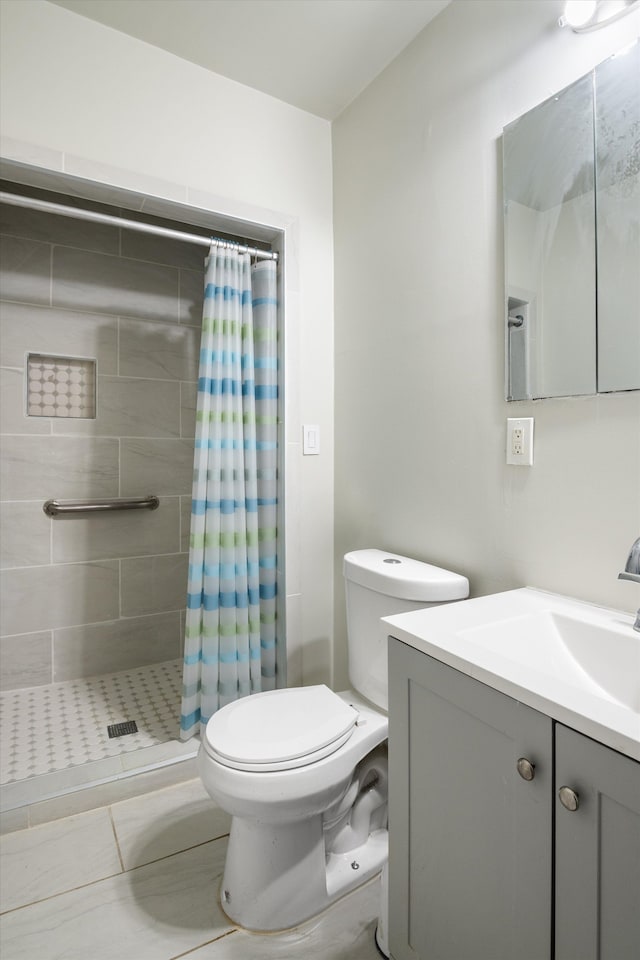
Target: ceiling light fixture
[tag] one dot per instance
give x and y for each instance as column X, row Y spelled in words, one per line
column 585, row 15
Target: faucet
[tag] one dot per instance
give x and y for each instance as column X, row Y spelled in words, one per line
column 632, row 572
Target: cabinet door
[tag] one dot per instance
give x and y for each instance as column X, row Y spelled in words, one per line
column 470, row 839
column 597, row 852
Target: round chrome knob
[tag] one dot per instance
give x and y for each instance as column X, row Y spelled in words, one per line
column 526, row 769
column 569, row 799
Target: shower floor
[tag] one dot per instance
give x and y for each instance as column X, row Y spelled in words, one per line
column 63, row 725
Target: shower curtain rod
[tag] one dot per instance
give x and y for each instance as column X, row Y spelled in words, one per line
column 45, row 206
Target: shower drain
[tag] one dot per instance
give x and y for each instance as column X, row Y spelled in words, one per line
column 122, row 729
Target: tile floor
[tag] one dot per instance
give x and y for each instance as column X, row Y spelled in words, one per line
column 138, row 880
column 70, row 719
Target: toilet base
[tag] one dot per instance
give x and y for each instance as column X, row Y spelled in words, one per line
column 289, row 879
column 346, row 871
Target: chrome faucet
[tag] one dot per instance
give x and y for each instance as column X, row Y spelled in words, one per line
column 632, row 572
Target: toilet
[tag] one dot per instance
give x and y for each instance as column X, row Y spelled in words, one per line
column 303, row 771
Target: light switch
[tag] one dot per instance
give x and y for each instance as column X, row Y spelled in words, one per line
column 310, row 439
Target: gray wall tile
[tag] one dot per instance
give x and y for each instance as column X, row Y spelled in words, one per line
column 128, row 407
column 64, row 333
column 42, row 598
column 123, row 311
column 162, row 467
column 114, row 285
column 25, row 534
column 176, row 253
column 26, row 660
column 126, row 534
column 191, row 297
column 25, row 270
column 13, row 418
column 153, row 584
column 188, row 397
column 119, row 645
column 52, row 228
column 158, row 350
column 185, row 523
column 59, row 468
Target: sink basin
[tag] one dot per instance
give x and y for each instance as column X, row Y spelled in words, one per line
column 602, row 657
column 573, row 661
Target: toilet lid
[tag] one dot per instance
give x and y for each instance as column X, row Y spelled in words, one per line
column 280, row 729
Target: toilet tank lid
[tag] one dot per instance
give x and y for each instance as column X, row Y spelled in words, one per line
column 404, row 578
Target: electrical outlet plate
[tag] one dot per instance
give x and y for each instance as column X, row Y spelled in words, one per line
column 520, row 441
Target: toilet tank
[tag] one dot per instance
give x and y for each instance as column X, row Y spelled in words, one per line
column 380, row 584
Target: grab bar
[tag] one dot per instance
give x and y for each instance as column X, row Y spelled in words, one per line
column 629, row 576
column 55, row 508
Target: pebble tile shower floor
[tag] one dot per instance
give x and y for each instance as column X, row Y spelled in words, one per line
column 60, row 725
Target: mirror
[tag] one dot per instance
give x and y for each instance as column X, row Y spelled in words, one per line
column 572, row 238
column 617, row 130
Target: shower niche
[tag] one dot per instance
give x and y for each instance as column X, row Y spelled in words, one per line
column 60, row 387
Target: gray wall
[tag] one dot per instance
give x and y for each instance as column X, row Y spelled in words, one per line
column 420, row 415
column 87, row 596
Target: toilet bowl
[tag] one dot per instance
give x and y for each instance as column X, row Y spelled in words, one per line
column 309, row 805
column 303, row 771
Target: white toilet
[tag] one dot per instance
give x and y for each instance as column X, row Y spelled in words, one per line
column 303, row 771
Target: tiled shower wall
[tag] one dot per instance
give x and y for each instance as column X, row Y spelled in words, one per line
column 84, row 596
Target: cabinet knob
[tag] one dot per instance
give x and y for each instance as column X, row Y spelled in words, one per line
column 526, row 769
column 569, row 799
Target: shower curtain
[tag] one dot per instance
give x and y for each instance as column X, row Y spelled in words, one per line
column 231, row 630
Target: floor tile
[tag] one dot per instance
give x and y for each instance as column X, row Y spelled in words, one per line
column 344, row 932
column 167, row 821
column 11, row 820
column 48, row 860
column 113, row 791
column 156, row 912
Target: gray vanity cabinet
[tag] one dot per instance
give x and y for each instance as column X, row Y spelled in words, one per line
column 597, row 914
column 470, row 850
column 476, row 850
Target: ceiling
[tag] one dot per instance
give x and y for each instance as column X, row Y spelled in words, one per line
column 314, row 54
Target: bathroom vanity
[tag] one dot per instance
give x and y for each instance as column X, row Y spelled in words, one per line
column 514, row 794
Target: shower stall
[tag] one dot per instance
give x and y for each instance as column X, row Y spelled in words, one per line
column 100, row 312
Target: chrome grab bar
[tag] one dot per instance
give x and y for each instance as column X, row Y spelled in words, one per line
column 629, row 576
column 57, row 508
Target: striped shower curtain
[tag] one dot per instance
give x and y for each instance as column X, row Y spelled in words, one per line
column 231, row 631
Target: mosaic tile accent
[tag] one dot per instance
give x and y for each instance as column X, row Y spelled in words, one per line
column 61, row 725
column 61, row 387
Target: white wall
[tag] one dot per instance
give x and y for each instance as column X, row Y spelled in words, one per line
column 420, row 415
column 83, row 99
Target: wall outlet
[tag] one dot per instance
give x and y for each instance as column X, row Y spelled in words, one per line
column 520, row 441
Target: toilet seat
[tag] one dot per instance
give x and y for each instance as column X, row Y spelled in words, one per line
column 279, row 729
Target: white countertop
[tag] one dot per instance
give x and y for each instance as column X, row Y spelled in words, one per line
column 515, row 643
